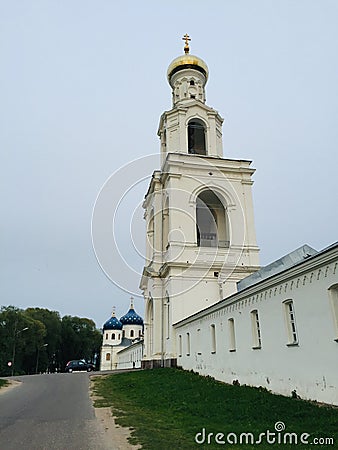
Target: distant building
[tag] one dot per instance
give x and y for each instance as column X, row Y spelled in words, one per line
column 118, row 335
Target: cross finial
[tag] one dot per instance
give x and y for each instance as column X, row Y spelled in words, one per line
column 131, row 302
column 186, row 38
column 113, row 313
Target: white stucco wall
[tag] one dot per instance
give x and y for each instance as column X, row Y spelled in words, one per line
column 310, row 367
column 132, row 331
column 130, row 357
column 111, row 362
column 192, row 276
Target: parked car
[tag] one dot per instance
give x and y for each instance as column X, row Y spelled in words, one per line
column 79, row 364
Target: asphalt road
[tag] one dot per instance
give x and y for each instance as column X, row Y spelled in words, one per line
column 50, row 412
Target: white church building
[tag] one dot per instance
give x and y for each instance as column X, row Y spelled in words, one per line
column 119, row 335
column 209, row 307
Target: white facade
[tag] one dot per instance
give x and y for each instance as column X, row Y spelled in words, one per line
column 280, row 333
column 130, row 357
column 133, row 331
column 109, row 358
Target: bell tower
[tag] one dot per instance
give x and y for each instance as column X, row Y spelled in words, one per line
column 199, row 213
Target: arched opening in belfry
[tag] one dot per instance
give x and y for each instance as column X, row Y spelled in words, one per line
column 196, row 137
column 211, row 221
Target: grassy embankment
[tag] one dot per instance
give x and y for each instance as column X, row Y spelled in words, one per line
column 166, row 408
column 3, row 383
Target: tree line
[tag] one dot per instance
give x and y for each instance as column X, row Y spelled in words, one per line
column 38, row 340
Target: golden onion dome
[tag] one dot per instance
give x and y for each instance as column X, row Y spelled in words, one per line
column 187, row 61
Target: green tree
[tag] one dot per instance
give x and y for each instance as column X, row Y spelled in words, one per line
column 37, row 340
column 33, row 339
column 11, row 322
column 19, row 336
column 80, row 339
column 48, row 354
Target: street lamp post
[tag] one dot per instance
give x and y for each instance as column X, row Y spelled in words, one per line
column 37, row 357
column 16, row 333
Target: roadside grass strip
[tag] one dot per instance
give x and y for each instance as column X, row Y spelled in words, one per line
column 3, row 383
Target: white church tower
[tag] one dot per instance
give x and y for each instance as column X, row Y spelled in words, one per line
column 199, row 214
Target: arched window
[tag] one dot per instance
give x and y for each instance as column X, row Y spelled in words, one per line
column 108, row 357
column 333, row 293
column 232, row 337
column 113, row 336
column 196, row 137
column 213, row 338
column 290, row 319
column 188, row 344
column 256, row 330
column 149, row 331
column 168, row 312
column 198, row 341
column 211, row 221
column 131, row 333
column 180, row 345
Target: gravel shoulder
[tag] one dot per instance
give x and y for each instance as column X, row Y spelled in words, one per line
column 112, row 432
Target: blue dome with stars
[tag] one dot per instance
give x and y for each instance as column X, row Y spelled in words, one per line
column 113, row 323
column 131, row 318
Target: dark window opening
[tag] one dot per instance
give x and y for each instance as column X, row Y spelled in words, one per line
column 196, row 137
column 211, row 222
column 192, row 83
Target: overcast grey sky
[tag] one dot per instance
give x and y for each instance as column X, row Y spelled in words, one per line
column 82, row 87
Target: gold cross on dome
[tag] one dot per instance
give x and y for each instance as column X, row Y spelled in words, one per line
column 186, row 38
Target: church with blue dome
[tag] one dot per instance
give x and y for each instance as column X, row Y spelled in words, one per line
column 118, row 335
